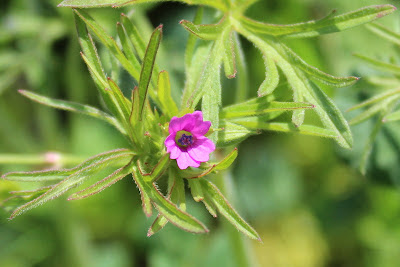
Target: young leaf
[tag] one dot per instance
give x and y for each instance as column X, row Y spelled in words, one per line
column 123, row 103
column 226, row 209
column 74, row 107
column 323, row 26
column 147, row 66
column 158, row 170
column 164, row 93
column 116, row 176
column 119, row 156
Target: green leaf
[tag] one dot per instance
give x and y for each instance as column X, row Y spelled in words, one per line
column 205, row 31
column 326, row 25
column 21, row 197
column 261, row 108
column 242, row 79
column 376, row 99
column 164, row 93
column 191, row 42
column 395, row 116
column 109, row 42
column 116, row 176
column 380, row 64
column 227, row 161
column 118, row 3
column 226, row 209
column 158, row 170
column 330, row 115
column 229, row 55
column 255, row 123
column 56, row 175
column 99, row 162
column 271, row 80
column 127, row 46
column 232, row 133
column 384, row 32
column 74, row 107
column 212, row 209
column 317, row 74
column 195, row 189
column 147, row 66
column 144, row 194
column 92, row 59
column 374, row 110
column 124, row 105
column 168, row 209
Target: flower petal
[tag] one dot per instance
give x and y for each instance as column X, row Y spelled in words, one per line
column 201, row 128
column 175, row 152
column 170, row 142
column 201, row 149
column 185, row 123
column 185, row 161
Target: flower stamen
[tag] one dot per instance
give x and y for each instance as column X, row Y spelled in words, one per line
column 185, row 140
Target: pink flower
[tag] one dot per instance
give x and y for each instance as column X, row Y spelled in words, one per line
column 186, row 141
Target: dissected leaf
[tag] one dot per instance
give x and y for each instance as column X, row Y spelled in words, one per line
column 317, row 27
column 395, row 116
column 263, row 107
column 116, row 176
column 271, row 80
column 226, row 209
column 74, row 107
column 229, row 55
column 168, row 209
column 317, row 74
column 99, row 162
column 255, row 123
column 54, row 175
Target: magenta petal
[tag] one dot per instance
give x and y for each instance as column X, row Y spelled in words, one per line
column 199, row 154
column 170, row 142
column 205, row 144
column 175, row 152
column 201, row 128
column 185, row 123
column 185, row 161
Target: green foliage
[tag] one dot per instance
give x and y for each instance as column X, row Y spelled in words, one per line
column 142, row 118
column 382, row 106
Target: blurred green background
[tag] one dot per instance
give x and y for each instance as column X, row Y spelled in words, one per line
column 303, row 195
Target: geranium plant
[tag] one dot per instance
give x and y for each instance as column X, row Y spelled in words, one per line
column 193, row 140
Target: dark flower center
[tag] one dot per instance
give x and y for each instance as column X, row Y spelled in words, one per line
column 185, row 140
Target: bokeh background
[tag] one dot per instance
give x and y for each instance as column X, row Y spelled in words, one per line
column 304, row 195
